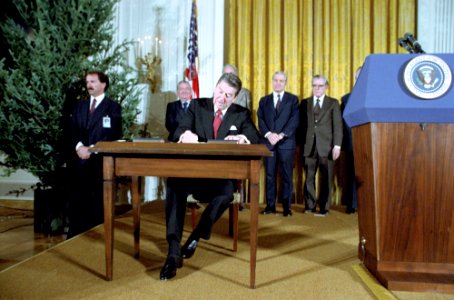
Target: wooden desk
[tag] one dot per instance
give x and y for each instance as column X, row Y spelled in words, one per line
column 223, row 160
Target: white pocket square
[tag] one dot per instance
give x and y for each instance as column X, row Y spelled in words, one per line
column 233, row 127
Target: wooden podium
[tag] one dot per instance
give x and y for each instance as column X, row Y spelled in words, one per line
column 404, row 165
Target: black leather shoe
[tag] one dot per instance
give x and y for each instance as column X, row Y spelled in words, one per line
column 188, row 250
column 169, row 270
column 269, row 210
column 288, row 213
column 350, row 210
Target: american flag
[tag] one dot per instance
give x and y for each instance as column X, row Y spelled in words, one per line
column 193, row 53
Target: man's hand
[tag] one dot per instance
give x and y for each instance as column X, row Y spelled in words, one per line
column 240, row 138
column 336, row 153
column 274, row 138
column 188, row 137
column 83, row 152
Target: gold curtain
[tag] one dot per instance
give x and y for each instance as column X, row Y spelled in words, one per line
column 308, row 37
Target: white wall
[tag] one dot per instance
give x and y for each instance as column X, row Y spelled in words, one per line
column 436, row 25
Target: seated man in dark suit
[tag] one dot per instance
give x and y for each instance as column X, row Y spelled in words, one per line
column 176, row 109
column 207, row 118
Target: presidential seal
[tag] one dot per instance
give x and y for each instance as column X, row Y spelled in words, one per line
column 427, row 76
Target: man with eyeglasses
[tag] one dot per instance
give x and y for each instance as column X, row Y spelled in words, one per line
column 320, row 138
column 216, row 118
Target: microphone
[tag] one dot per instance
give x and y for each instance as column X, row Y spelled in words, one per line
column 403, row 43
column 413, row 42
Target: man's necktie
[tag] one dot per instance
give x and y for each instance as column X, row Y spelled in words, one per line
column 185, row 106
column 278, row 103
column 217, row 122
column 93, row 106
column 317, row 107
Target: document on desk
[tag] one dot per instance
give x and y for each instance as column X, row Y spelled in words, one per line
column 221, row 142
column 148, row 140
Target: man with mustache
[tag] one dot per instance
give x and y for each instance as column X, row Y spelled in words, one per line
column 95, row 119
column 216, row 118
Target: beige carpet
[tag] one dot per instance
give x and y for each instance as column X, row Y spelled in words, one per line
column 302, row 257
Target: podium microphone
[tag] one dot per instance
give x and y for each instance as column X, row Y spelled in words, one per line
column 403, row 43
column 413, row 42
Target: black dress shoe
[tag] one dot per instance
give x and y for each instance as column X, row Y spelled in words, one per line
column 269, row 210
column 288, row 212
column 350, row 210
column 169, row 270
column 188, row 249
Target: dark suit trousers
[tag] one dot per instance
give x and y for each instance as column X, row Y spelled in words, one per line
column 217, row 192
column 351, row 194
column 86, row 206
column 325, row 166
column 284, row 159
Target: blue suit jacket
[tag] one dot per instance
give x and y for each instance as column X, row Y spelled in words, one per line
column 285, row 121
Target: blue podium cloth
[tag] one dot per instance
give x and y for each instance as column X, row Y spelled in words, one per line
column 380, row 94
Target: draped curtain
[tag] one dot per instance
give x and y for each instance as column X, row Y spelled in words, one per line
column 308, row 37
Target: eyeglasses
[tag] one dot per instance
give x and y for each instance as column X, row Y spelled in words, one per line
column 318, row 86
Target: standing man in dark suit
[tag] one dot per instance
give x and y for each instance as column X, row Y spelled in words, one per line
column 176, row 109
column 321, row 139
column 215, row 118
column 95, row 119
column 347, row 147
column 278, row 120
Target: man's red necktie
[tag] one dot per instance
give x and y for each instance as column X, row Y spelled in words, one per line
column 93, row 106
column 217, row 122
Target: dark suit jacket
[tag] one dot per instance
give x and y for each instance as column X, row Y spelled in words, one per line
column 347, row 137
column 174, row 113
column 285, row 121
column 88, row 130
column 328, row 131
column 199, row 119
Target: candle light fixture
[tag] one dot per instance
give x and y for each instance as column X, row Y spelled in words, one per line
column 148, row 65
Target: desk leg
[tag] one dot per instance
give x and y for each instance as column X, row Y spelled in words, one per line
column 108, row 189
column 254, row 205
column 136, row 214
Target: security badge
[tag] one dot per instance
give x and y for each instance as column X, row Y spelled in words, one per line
column 106, row 122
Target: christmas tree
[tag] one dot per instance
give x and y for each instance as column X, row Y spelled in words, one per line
column 50, row 47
